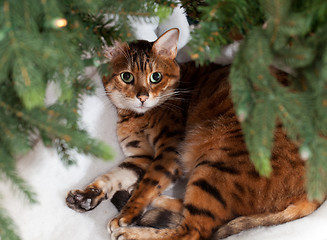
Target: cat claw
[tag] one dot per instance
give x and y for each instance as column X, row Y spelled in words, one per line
column 121, row 238
column 113, row 225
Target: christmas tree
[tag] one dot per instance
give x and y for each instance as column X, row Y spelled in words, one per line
column 43, row 42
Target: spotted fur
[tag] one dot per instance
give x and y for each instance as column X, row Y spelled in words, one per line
column 186, row 123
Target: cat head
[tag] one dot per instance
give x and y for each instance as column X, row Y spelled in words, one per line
column 144, row 74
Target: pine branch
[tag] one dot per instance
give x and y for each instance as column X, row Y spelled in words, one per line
column 8, row 229
column 256, row 111
column 289, row 34
column 222, row 21
column 64, row 152
column 47, row 41
column 8, row 172
column 317, row 168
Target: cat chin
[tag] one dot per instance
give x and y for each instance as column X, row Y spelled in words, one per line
column 136, row 109
column 141, row 109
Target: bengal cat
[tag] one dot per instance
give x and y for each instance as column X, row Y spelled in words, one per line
column 179, row 119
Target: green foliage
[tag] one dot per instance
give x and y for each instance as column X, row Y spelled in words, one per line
column 8, row 229
column 221, row 22
column 289, row 34
column 53, row 41
column 257, row 102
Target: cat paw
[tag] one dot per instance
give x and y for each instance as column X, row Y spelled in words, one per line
column 118, row 235
column 84, row 200
column 115, row 224
column 126, row 233
column 141, row 233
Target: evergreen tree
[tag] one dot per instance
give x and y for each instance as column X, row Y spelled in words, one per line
column 53, row 41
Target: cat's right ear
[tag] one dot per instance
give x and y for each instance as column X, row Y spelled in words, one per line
column 166, row 44
column 113, row 51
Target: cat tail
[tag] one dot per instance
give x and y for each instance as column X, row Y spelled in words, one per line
column 295, row 211
column 164, row 218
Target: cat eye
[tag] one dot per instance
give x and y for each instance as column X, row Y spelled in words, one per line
column 155, row 77
column 127, row 77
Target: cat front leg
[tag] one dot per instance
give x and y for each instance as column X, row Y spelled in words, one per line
column 162, row 173
column 164, row 170
column 122, row 177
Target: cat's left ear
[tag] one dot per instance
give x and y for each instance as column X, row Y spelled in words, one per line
column 166, row 44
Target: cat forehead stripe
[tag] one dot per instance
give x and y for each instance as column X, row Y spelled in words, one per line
column 140, row 55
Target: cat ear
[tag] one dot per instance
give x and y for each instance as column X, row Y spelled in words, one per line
column 115, row 50
column 166, row 44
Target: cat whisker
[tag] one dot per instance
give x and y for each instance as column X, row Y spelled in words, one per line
column 105, row 93
column 170, row 106
column 172, row 96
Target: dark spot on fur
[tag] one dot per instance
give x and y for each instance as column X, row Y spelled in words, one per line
column 120, row 199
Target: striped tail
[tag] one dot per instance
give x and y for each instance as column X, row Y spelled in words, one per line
column 292, row 212
column 163, row 218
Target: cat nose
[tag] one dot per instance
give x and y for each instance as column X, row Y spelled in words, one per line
column 142, row 96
